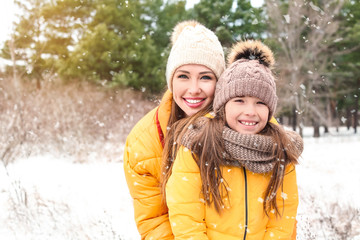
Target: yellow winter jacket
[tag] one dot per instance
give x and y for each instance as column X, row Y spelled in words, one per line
column 142, row 166
column 243, row 216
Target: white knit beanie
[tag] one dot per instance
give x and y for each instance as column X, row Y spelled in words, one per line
column 194, row 44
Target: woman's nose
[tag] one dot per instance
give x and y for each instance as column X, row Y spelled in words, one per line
column 194, row 87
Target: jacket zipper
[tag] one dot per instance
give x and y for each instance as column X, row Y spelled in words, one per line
column 246, row 204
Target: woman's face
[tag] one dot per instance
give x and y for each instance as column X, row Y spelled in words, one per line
column 193, row 87
column 246, row 115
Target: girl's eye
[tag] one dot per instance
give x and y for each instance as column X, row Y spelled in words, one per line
column 239, row 100
column 261, row 103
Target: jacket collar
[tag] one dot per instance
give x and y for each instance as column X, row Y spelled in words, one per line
column 164, row 110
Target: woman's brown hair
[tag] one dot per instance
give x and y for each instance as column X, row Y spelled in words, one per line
column 208, row 148
column 173, row 137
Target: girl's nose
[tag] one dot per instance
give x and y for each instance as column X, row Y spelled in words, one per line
column 249, row 109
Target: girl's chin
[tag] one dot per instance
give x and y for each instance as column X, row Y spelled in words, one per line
column 243, row 129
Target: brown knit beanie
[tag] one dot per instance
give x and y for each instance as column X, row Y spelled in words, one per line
column 249, row 74
column 194, row 44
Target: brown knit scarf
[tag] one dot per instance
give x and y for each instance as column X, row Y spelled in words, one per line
column 252, row 151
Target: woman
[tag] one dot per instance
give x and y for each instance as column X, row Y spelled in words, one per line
column 195, row 63
column 234, row 173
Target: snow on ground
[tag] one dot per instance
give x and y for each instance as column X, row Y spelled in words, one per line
column 330, row 168
column 92, row 199
column 53, row 198
column 328, row 178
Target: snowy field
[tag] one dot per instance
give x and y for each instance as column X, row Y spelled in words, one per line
column 329, row 180
column 49, row 197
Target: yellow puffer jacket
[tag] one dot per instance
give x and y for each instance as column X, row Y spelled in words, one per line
column 142, row 166
column 243, row 216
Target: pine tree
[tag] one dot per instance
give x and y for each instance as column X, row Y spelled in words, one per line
column 346, row 67
column 230, row 20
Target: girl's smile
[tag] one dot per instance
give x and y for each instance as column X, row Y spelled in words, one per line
column 247, row 115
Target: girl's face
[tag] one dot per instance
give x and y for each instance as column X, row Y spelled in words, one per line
column 246, row 115
column 193, row 87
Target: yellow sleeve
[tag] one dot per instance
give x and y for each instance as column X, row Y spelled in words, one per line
column 150, row 215
column 142, row 155
column 184, row 198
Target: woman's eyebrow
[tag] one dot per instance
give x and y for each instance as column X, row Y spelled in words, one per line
column 182, row 71
column 206, row 72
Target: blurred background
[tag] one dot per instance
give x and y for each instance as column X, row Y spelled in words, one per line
column 120, row 44
column 76, row 75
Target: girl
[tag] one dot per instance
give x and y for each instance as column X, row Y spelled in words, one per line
column 234, row 176
column 195, row 63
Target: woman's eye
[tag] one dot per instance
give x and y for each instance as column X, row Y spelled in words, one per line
column 206, row 77
column 261, row 103
column 239, row 100
column 182, row 76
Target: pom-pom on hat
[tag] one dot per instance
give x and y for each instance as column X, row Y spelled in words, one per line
column 249, row 74
column 194, row 44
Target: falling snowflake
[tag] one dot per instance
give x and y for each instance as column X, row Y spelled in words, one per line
column 314, row 7
column 338, row 40
column 343, row 119
column 287, row 18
